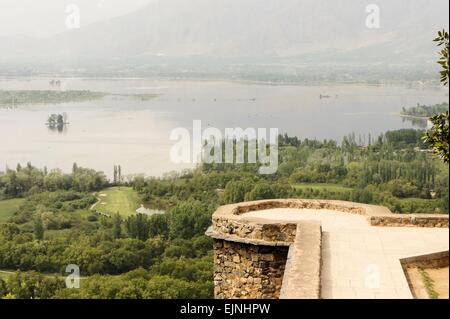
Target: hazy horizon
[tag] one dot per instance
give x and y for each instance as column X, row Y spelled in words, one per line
column 138, row 35
column 46, row 18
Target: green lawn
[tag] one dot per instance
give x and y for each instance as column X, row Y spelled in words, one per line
column 122, row 200
column 8, row 208
column 319, row 186
column 4, row 274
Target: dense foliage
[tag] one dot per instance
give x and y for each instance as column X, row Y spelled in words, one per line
column 30, row 180
column 438, row 135
column 168, row 255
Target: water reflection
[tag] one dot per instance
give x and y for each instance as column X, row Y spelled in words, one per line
column 60, row 128
column 418, row 122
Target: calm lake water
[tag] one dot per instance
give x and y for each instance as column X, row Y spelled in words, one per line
column 135, row 134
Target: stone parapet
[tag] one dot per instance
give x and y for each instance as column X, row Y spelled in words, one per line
column 434, row 260
column 301, row 278
column 410, row 220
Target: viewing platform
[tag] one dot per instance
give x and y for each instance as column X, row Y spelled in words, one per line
column 302, row 249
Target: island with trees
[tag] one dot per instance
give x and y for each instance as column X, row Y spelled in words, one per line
column 21, row 97
column 14, row 98
column 425, row 111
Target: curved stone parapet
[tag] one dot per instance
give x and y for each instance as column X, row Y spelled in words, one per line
column 230, row 221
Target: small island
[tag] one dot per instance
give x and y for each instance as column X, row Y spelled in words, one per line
column 21, row 97
column 57, row 122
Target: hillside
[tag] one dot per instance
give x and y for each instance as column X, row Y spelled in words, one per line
column 317, row 31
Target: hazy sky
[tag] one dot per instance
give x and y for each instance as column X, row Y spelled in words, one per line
column 43, row 18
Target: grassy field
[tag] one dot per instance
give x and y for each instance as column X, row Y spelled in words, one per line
column 122, row 200
column 330, row 187
column 8, row 207
column 4, row 274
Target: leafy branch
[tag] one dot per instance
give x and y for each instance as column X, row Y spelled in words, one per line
column 443, row 40
column 438, row 135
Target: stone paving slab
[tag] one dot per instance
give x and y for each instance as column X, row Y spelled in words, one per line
column 359, row 260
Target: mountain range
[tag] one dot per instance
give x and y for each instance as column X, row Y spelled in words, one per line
column 256, row 30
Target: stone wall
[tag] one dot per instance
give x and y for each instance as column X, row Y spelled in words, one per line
column 435, row 260
column 434, row 221
column 341, row 206
column 247, row 271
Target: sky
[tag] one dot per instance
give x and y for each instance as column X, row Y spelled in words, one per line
column 44, row 18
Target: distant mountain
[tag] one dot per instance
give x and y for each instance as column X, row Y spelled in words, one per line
column 265, row 29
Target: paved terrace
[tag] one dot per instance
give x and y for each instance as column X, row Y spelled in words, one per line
column 359, row 259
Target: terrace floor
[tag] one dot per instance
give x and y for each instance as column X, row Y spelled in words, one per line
column 363, row 261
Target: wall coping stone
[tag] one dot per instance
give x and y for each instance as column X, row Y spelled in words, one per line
column 433, row 260
column 301, row 278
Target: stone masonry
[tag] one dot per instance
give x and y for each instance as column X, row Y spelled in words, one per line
column 248, row 271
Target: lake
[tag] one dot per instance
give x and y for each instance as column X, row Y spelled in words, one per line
column 135, row 134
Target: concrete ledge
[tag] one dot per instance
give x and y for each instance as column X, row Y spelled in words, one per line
column 233, row 238
column 301, row 278
column 435, row 260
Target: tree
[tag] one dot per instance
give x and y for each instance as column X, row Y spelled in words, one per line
column 32, row 285
column 235, row 191
column 38, row 228
column 188, row 219
column 265, row 190
column 139, row 183
column 159, row 226
column 438, row 135
column 117, row 226
column 3, row 288
column 8, row 231
column 138, row 226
